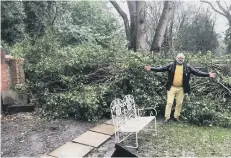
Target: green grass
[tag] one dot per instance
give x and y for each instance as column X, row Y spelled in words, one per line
column 178, row 139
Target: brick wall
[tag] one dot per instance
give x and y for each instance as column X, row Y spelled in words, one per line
column 16, row 72
column 4, row 72
column 12, row 73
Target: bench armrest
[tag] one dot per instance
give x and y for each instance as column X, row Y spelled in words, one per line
column 152, row 109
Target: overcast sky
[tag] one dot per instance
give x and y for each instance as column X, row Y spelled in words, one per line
column 221, row 22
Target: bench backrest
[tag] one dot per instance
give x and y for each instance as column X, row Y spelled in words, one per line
column 123, row 110
column 117, row 113
column 129, row 107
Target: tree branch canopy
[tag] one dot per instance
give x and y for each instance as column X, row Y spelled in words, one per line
column 223, row 9
column 214, row 8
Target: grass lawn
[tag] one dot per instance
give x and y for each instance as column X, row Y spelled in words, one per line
column 180, row 139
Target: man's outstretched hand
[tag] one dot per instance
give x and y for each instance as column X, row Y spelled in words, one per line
column 212, row 75
column 147, row 67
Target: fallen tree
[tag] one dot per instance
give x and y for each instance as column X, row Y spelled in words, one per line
column 81, row 82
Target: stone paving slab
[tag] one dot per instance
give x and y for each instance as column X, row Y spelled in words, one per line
column 92, row 138
column 71, row 150
column 109, row 122
column 104, row 129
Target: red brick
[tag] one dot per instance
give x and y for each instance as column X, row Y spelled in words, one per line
column 12, row 72
column 4, row 74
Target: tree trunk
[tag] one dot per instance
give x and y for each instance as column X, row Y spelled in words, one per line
column 136, row 32
column 140, row 23
column 133, row 28
column 171, row 31
column 162, row 25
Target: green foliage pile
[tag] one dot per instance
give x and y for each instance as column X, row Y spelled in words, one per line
column 80, row 82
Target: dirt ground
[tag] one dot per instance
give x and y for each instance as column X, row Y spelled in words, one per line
column 27, row 135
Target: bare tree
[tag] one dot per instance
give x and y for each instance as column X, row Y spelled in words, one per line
column 226, row 12
column 182, row 15
column 162, row 25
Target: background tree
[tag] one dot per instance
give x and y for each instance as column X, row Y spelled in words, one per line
column 162, row 25
column 12, row 26
column 36, row 20
column 83, row 22
column 226, row 12
column 228, row 39
column 198, row 34
column 136, row 29
column 154, row 10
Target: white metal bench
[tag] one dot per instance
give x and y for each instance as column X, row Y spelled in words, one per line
column 127, row 119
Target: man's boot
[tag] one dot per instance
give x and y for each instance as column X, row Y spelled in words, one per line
column 166, row 120
column 177, row 119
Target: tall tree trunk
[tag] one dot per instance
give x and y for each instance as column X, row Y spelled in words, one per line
column 133, row 18
column 171, row 31
column 136, row 32
column 162, row 25
column 140, row 23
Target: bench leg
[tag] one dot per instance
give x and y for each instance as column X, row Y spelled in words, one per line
column 137, row 144
column 155, row 127
column 117, row 137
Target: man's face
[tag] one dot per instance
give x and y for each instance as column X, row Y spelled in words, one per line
column 180, row 60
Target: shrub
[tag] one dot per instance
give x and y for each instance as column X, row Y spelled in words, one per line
column 84, row 103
